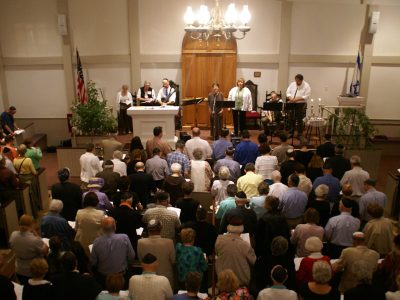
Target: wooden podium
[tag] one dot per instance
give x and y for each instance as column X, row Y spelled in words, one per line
column 145, row 118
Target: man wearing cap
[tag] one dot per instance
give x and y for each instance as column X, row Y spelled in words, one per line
column 69, row 193
column 142, row 184
column 112, row 252
column 280, row 151
column 371, row 196
column 169, row 219
column 232, row 165
column 340, row 164
column 249, row 182
column 127, row 218
column 94, row 185
column 149, row 285
column 357, row 252
column 328, row 179
column 234, row 253
column 248, row 216
column 54, row 224
column 340, row 229
column 293, row 202
column 110, row 179
column 278, row 290
column 90, row 164
column 162, row 248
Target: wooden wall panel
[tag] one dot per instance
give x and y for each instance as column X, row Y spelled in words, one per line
column 202, row 64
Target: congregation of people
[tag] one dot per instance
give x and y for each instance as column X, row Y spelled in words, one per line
column 284, row 223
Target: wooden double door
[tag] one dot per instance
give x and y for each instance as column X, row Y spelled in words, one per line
column 203, row 64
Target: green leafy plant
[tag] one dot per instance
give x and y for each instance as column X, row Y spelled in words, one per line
column 93, row 117
column 352, row 128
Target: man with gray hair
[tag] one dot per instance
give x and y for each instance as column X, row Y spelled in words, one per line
column 356, row 177
column 359, row 252
column 119, row 165
column 54, row 224
column 277, row 189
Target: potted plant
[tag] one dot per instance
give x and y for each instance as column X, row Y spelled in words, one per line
column 93, row 118
column 353, row 129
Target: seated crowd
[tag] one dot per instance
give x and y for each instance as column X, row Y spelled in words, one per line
column 288, row 225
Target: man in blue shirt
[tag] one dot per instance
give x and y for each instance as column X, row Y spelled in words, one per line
column 293, row 202
column 332, row 182
column 233, row 166
column 371, row 196
column 246, row 151
column 8, row 122
column 219, row 147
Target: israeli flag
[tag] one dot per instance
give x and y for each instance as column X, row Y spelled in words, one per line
column 355, row 82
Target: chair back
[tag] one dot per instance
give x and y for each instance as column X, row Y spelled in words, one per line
column 254, row 92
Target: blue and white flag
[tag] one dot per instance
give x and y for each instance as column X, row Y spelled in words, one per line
column 355, row 82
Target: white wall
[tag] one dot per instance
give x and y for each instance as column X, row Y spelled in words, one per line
column 28, row 28
column 37, row 93
column 99, row 26
column 326, row 28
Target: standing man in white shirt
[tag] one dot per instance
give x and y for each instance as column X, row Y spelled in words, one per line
column 167, row 94
column 298, row 92
column 197, row 142
column 90, row 165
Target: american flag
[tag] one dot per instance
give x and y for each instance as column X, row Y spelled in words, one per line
column 80, row 86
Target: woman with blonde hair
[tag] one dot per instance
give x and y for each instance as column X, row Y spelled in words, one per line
column 314, row 168
column 229, row 288
column 37, row 288
column 243, row 103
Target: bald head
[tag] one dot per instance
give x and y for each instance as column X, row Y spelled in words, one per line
column 139, row 166
column 196, row 131
column 108, row 225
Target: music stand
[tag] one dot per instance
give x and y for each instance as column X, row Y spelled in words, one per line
column 224, row 104
column 293, row 107
column 273, row 106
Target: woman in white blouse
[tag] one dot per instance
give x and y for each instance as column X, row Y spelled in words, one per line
column 243, row 102
column 124, row 101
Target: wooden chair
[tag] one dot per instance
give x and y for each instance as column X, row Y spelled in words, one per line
column 253, row 116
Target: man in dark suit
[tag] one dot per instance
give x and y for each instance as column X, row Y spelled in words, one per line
column 110, row 179
column 142, row 184
column 339, row 163
column 326, row 149
column 127, row 219
column 69, row 193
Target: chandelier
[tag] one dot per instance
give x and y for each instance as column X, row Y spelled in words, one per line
column 204, row 24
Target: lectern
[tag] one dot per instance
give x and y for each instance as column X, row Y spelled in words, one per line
column 145, row 118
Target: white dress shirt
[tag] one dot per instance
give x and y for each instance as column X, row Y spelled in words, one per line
column 303, row 91
column 165, row 92
column 90, row 166
column 247, row 102
column 119, row 167
column 127, row 99
column 197, row 142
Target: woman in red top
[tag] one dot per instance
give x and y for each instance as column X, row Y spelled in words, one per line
column 304, row 274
